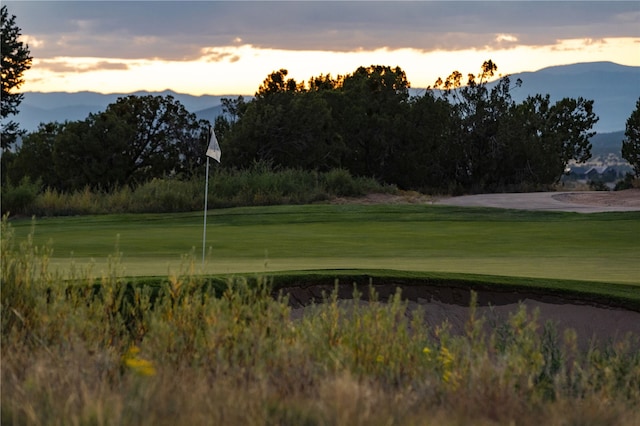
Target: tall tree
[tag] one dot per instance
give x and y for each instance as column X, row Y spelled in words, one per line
column 263, row 131
column 135, row 139
column 372, row 118
column 285, row 125
column 501, row 144
column 16, row 59
column 631, row 143
column 426, row 159
column 34, row 158
column 481, row 113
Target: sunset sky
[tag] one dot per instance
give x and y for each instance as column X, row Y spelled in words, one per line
column 222, row 48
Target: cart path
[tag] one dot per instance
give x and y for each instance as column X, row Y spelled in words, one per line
column 581, row 202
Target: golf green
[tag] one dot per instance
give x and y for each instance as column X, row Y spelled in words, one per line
column 595, row 247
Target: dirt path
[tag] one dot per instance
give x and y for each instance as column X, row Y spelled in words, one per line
column 581, row 202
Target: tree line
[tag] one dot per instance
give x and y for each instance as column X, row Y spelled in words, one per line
column 457, row 136
column 461, row 135
column 134, row 140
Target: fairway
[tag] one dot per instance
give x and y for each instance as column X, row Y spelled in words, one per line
column 596, row 247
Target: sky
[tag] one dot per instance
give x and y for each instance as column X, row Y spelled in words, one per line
column 230, row 47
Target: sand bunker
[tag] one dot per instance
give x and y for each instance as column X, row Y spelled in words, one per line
column 589, row 318
column 580, row 202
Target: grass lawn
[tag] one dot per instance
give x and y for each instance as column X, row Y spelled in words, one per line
column 595, row 247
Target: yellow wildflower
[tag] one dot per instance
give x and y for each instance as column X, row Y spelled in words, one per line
column 136, row 364
column 141, row 366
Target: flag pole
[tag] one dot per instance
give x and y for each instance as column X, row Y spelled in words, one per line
column 206, row 193
column 213, row 151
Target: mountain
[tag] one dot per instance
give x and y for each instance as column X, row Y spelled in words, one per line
column 38, row 107
column 210, row 113
column 614, row 88
column 603, row 144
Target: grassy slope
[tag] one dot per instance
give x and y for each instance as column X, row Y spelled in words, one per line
column 595, row 247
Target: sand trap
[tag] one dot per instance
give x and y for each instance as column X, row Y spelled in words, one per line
column 590, row 319
column 581, row 202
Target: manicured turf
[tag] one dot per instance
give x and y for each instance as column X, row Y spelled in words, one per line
column 596, row 247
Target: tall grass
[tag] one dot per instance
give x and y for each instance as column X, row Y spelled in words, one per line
column 258, row 185
column 96, row 350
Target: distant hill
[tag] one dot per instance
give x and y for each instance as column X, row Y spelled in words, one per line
column 614, row 88
column 210, row 113
column 40, row 107
column 603, row 144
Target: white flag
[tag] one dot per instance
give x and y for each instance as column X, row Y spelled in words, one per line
column 214, row 149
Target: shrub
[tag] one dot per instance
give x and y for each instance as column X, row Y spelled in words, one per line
column 167, row 195
column 258, row 185
column 598, row 186
column 629, row 181
column 19, row 199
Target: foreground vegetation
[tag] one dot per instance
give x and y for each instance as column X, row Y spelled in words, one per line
column 185, row 353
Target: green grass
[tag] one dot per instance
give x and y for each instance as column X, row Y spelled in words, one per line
column 596, row 247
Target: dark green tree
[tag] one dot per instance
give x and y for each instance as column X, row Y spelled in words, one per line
column 34, row 158
column 372, row 118
column 285, row 125
column 232, row 111
column 425, row 159
column 541, row 138
column 481, row 112
column 135, row 139
column 502, row 145
column 233, row 108
column 262, row 132
column 568, row 128
column 524, row 160
column 90, row 153
column 16, row 59
column 631, row 142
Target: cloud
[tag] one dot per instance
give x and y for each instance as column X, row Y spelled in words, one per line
column 67, row 65
column 212, row 54
column 31, row 41
column 172, row 30
column 506, row 37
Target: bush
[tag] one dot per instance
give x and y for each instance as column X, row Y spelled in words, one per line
column 167, row 195
column 340, row 182
column 258, row 185
column 19, row 199
column 629, row 182
column 596, row 185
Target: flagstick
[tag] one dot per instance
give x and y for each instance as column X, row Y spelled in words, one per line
column 213, row 151
column 204, row 232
